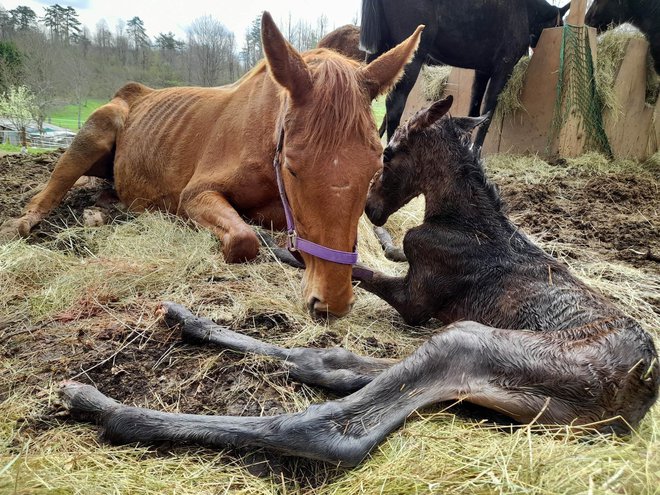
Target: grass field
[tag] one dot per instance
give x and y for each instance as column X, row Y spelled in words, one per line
column 10, row 148
column 67, row 116
column 378, row 109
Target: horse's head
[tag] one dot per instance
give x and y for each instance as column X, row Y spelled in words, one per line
column 603, row 13
column 423, row 156
column 542, row 15
column 330, row 151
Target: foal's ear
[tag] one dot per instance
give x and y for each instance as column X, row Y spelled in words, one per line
column 432, row 114
column 467, row 124
column 386, row 70
column 285, row 64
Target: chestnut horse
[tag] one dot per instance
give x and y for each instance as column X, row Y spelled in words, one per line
column 207, row 154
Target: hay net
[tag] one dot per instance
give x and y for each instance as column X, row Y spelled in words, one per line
column 577, row 96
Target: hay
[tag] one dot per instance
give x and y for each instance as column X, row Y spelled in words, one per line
column 509, row 102
column 435, row 79
column 66, row 292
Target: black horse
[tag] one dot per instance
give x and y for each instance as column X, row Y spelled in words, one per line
column 643, row 14
column 488, row 36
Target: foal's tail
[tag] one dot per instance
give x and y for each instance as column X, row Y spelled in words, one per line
column 373, row 26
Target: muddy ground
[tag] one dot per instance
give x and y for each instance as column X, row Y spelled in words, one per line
column 614, row 216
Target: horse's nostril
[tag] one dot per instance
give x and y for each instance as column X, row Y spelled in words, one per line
column 311, row 303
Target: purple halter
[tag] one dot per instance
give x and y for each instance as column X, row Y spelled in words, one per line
column 295, row 243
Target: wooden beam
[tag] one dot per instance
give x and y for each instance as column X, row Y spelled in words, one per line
column 577, row 12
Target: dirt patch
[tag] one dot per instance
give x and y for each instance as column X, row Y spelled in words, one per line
column 616, row 215
column 22, row 176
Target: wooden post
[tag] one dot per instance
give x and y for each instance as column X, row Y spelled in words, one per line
column 577, row 12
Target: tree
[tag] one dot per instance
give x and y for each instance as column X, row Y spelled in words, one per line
column 11, row 63
column 253, row 51
column 43, row 71
column 138, row 38
column 17, row 106
column 209, row 47
column 62, row 23
column 169, row 46
column 79, row 80
column 6, row 24
column 23, row 18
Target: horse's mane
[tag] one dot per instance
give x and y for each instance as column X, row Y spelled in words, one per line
column 342, row 109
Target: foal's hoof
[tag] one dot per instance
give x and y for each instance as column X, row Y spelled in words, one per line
column 239, row 247
column 80, row 397
column 395, row 254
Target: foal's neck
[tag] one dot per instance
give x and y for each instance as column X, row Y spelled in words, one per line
column 467, row 198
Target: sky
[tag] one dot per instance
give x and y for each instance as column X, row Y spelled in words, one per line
column 176, row 15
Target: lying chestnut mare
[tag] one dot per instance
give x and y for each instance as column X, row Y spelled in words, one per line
column 207, row 154
column 528, row 339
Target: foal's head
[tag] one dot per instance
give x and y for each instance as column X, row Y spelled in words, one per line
column 330, row 150
column 431, row 154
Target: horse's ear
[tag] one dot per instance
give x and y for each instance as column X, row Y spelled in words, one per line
column 432, row 114
column 467, row 124
column 285, row 64
column 386, row 70
column 564, row 9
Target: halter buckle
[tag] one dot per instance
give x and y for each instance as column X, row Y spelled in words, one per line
column 292, row 240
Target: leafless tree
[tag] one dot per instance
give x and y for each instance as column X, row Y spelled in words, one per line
column 210, row 47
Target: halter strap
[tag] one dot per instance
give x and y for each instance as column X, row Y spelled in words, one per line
column 294, row 242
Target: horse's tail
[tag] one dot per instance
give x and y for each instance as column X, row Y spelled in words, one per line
column 373, row 25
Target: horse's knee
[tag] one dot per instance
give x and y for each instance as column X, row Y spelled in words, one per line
column 239, row 246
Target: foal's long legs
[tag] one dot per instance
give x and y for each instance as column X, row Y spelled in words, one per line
column 390, row 250
column 336, row 369
column 512, row 371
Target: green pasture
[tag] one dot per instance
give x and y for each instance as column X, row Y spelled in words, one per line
column 10, row 148
column 67, row 116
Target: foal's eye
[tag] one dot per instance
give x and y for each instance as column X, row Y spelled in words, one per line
column 388, row 153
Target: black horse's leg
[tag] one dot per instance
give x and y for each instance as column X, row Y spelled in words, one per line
column 495, row 87
column 416, row 307
column 282, row 254
column 478, row 89
column 396, row 99
column 510, row 371
column 391, row 252
column 336, row 369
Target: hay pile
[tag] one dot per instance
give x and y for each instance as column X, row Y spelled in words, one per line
column 81, row 302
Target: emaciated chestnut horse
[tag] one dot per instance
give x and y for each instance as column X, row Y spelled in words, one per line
column 207, row 154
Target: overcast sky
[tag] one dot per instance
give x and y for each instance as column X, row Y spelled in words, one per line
column 175, row 15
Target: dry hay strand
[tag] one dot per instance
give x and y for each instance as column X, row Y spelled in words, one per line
column 508, row 103
column 435, row 78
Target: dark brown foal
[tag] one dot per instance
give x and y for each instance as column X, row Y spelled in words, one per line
column 529, row 339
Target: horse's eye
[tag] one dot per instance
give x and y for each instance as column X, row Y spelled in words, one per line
column 290, row 170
